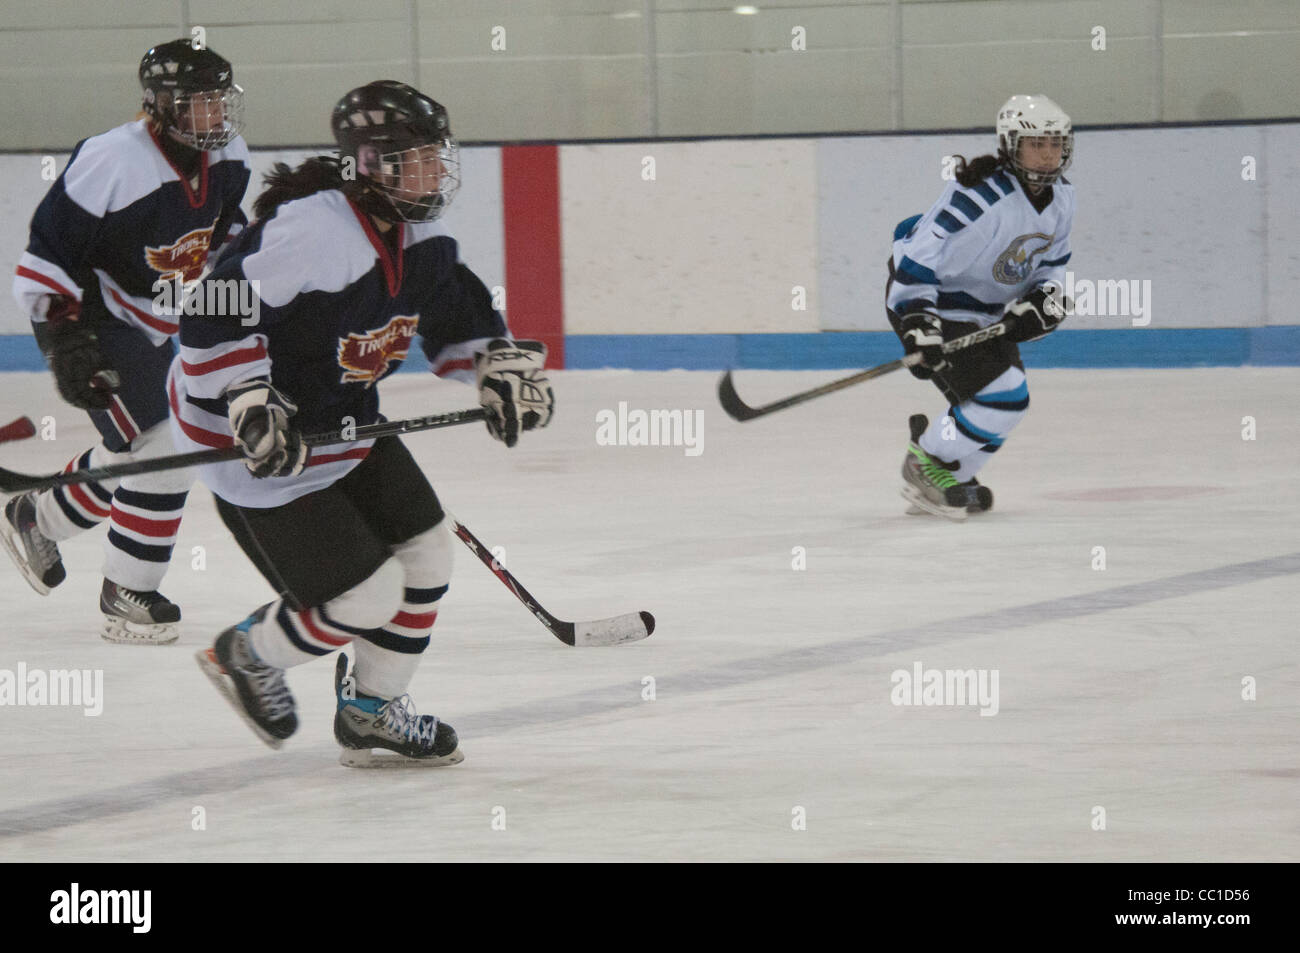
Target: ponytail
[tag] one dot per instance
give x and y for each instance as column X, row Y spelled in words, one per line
column 284, row 184
column 977, row 170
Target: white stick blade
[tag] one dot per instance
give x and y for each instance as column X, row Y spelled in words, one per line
column 623, row 628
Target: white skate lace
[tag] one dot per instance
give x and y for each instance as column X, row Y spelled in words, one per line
column 145, row 600
column 400, row 718
column 271, row 689
column 47, row 551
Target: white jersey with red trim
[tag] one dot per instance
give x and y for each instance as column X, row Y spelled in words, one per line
column 121, row 217
column 328, row 309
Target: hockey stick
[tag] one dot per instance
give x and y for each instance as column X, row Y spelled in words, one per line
column 739, row 410
column 11, row 482
column 623, row 628
column 20, row 429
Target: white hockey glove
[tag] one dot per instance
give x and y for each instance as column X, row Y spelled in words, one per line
column 513, row 387
column 922, row 333
column 1037, row 314
column 259, row 419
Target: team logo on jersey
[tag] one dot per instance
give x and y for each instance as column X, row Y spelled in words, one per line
column 185, row 259
column 365, row 357
column 1017, row 263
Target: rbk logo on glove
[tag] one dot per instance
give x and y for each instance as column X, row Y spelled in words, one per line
column 513, row 387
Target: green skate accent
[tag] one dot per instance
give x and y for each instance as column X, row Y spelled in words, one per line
column 935, row 473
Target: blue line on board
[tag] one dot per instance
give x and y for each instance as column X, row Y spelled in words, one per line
column 1276, row 346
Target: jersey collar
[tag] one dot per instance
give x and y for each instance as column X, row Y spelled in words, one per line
column 392, row 268
column 196, row 200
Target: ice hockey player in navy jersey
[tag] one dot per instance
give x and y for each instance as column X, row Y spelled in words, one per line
column 136, row 210
column 350, row 268
column 993, row 248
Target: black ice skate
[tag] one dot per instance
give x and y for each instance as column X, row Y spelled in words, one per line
column 365, row 723
column 257, row 691
column 137, row 618
column 36, row 557
column 973, row 495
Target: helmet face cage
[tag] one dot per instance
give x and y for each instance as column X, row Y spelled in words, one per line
column 418, row 181
column 404, row 152
column 204, row 119
column 1010, row 145
column 1034, row 117
column 191, row 95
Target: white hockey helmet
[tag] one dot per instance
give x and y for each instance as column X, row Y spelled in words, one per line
column 1029, row 116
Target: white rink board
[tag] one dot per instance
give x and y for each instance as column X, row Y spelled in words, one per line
column 714, row 243
column 1119, row 688
column 726, row 231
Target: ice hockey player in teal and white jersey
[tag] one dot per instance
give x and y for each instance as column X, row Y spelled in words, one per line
column 992, row 248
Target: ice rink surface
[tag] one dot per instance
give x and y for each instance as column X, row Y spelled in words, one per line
column 771, row 734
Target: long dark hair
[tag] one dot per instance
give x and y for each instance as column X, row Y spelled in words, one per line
column 284, row 184
column 977, row 170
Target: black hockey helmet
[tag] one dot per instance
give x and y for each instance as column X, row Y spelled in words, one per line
column 401, row 145
column 184, row 88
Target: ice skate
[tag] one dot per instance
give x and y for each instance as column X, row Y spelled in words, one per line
column 927, row 480
column 137, row 618
column 975, row 496
column 36, row 557
column 972, row 494
column 365, row 726
column 257, row 691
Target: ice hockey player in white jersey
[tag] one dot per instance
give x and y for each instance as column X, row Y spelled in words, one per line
column 350, row 270
column 992, row 248
column 141, row 204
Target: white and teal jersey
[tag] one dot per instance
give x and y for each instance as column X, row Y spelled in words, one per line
column 980, row 248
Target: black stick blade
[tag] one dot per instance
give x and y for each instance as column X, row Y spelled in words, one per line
column 736, row 408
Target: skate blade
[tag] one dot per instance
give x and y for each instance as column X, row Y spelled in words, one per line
column 119, row 630
column 915, row 510
column 383, row 758
column 13, row 546
column 917, row 499
column 207, row 660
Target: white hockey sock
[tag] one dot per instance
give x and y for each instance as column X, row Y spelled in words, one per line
column 971, row 465
column 288, row 637
column 145, row 515
column 141, row 536
column 65, row 511
column 976, row 428
column 387, row 659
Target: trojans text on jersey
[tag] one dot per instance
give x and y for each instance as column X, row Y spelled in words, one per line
column 185, row 257
column 365, row 357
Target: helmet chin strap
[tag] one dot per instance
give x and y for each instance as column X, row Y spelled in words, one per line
column 180, row 152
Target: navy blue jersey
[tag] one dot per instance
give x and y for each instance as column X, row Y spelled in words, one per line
column 121, row 217
column 333, row 312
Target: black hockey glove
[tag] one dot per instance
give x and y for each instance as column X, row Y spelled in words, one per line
column 922, row 334
column 1037, row 314
column 514, row 388
column 72, row 350
column 259, row 419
